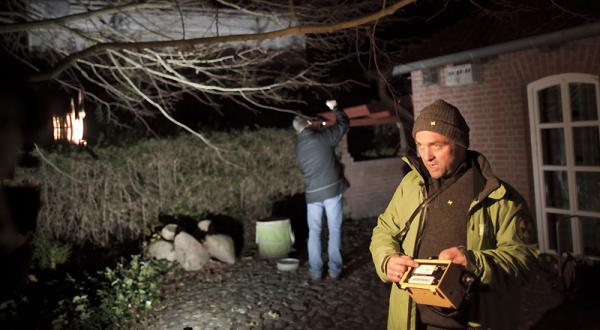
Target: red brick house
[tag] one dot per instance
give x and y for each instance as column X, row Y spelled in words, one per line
column 533, row 105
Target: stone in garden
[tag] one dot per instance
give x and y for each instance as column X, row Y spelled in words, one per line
column 162, row 250
column 204, row 224
column 190, row 254
column 220, row 247
column 168, row 231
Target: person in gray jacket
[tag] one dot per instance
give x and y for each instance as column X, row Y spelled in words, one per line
column 324, row 183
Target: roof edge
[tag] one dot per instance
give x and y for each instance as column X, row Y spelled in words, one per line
column 579, row 32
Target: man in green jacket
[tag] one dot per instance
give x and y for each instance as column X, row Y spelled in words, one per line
column 451, row 206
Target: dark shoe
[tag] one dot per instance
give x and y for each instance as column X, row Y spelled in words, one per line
column 334, row 278
column 313, row 278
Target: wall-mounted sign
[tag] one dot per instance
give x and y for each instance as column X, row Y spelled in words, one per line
column 459, row 75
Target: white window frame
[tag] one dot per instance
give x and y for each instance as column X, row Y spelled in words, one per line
column 537, row 158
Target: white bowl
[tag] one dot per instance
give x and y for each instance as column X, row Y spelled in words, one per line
column 287, row 264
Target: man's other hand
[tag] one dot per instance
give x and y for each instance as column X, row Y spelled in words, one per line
column 453, row 254
column 331, row 104
column 397, row 265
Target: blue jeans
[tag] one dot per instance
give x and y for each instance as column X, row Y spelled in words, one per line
column 314, row 212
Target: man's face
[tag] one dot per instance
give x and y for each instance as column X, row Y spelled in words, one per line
column 440, row 155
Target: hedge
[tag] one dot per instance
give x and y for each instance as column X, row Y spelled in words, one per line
column 121, row 194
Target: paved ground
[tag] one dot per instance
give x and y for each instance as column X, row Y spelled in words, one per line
column 252, row 294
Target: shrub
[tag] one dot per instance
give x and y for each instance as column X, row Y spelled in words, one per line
column 113, row 298
column 132, row 289
column 121, row 194
column 124, row 294
column 48, row 253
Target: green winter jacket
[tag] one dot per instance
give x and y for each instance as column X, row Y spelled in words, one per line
column 500, row 247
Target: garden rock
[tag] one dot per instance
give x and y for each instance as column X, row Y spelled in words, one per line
column 162, row 250
column 220, row 247
column 190, row 254
column 168, row 232
column 204, row 224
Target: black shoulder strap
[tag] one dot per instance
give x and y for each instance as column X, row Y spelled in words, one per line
column 400, row 237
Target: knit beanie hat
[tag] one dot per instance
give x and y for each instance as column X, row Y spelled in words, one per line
column 299, row 124
column 443, row 118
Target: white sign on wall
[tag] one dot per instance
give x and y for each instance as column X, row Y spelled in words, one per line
column 459, row 75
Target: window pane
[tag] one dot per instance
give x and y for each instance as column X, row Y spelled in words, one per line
column 550, row 105
column 564, row 231
column 591, row 236
column 587, row 145
column 588, row 191
column 583, row 101
column 556, row 189
column 373, row 142
column 553, row 146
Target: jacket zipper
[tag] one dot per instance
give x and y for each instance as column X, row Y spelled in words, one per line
column 486, row 222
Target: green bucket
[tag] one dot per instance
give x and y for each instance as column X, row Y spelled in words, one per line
column 274, row 237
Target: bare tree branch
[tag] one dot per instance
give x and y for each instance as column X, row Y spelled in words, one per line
column 161, row 109
column 296, row 30
column 19, row 27
column 138, row 65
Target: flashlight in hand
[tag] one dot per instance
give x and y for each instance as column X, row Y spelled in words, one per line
column 316, row 122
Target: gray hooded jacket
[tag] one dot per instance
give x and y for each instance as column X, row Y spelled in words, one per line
column 315, row 151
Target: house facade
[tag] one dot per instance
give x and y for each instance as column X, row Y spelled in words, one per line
column 533, row 106
column 372, row 183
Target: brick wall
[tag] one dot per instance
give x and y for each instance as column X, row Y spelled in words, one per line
column 372, row 183
column 496, row 108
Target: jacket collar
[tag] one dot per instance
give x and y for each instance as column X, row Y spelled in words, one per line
column 492, row 187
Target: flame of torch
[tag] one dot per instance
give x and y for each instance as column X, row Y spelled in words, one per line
column 75, row 132
column 70, row 127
